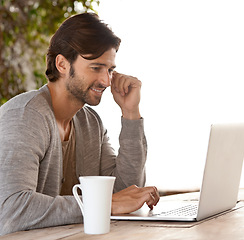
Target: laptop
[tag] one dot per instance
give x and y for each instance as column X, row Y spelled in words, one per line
column 220, row 184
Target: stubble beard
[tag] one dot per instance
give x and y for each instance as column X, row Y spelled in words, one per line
column 79, row 92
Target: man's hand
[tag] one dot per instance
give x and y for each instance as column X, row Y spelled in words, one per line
column 133, row 198
column 126, row 92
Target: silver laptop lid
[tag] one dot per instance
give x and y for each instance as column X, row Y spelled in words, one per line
column 223, row 168
column 220, row 182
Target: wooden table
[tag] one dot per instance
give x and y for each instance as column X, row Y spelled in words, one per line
column 228, row 226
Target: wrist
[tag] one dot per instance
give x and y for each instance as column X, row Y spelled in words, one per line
column 131, row 115
column 113, row 209
column 114, row 206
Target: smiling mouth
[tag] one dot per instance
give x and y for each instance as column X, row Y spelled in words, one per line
column 97, row 90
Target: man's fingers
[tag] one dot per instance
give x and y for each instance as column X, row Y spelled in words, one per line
column 133, row 198
column 156, row 195
column 151, row 201
column 122, row 83
column 119, row 85
column 150, row 196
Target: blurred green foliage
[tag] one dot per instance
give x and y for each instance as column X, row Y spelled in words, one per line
column 25, row 30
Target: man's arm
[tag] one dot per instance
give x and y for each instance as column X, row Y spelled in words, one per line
column 126, row 92
column 129, row 166
column 23, row 145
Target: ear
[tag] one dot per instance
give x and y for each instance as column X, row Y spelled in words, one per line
column 62, row 64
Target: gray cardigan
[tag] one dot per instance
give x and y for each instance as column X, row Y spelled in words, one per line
column 31, row 161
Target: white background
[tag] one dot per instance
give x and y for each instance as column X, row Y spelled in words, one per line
column 189, row 55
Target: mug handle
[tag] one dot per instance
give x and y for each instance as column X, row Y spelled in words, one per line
column 77, row 198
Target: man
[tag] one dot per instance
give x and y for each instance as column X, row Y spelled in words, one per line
column 48, row 137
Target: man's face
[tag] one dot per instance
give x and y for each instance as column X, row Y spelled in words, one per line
column 89, row 78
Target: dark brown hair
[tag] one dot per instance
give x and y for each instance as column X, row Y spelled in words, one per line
column 81, row 34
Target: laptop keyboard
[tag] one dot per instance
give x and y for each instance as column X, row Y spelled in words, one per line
column 185, row 211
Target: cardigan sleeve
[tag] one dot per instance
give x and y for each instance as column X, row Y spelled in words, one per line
column 24, row 143
column 129, row 166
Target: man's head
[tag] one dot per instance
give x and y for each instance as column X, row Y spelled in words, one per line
column 83, row 35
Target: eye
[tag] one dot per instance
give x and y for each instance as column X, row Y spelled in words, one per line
column 96, row 69
column 110, row 70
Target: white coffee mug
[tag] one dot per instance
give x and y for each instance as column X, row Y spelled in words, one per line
column 96, row 202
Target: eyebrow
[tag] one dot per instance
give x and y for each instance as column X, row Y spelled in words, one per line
column 103, row 64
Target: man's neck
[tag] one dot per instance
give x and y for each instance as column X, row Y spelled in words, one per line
column 64, row 108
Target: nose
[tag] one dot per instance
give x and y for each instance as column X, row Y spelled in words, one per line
column 106, row 78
